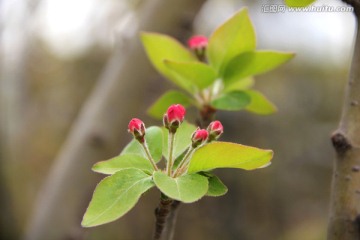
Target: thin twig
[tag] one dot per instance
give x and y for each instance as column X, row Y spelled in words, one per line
column 207, row 114
column 161, row 214
column 170, row 229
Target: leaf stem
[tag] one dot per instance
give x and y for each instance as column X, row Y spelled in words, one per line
column 183, row 161
column 148, row 154
column 171, row 152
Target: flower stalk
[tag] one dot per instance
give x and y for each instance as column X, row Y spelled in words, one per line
column 148, row 154
column 137, row 129
column 171, row 153
column 180, row 168
column 199, row 137
column 173, row 117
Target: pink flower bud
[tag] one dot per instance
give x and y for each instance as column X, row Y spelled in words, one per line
column 215, row 129
column 137, row 128
column 199, row 137
column 174, row 116
column 197, row 42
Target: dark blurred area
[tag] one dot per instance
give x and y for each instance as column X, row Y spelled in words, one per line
column 56, row 54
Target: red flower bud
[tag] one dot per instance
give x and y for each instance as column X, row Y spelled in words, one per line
column 137, row 128
column 174, row 116
column 197, row 42
column 199, row 137
column 215, row 129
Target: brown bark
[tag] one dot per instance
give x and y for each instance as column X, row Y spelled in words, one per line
column 98, row 131
column 162, row 213
column 165, row 218
column 344, row 221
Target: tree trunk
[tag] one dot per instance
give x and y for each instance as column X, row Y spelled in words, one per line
column 344, row 221
column 98, row 131
column 15, row 44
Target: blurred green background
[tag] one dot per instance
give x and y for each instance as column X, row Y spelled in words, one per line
column 56, row 54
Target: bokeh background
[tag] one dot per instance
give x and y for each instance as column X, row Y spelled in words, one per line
column 73, row 73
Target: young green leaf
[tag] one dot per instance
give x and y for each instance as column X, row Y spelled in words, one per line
column 116, row 195
column 228, row 155
column 158, row 109
column 259, row 103
column 216, row 187
column 154, row 138
column 188, row 188
column 200, row 74
column 298, row 3
column 120, row 162
column 253, row 63
column 160, row 47
column 182, row 139
column 235, row 36
column 232, row 101
column 241, row 84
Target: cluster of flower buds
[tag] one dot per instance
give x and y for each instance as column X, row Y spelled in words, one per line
column 198, row 44
column 213, row 132
column 137, row 128
column 173, row 117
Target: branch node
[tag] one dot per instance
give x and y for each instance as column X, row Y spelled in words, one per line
column 340, row 143
column 354, row 103
column 355, row 168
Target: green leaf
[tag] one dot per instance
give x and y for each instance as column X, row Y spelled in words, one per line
column 116, row 195
column 188, row 188
column 154, row 139
column 197, row 73
column 253, row 63
column 158, row 109
column 241, row 84
column 228, row 155
column 298, row 3
column 259, row 103
column 120, row 162
column 160, row 47
column 231, row 101
column 235, row 36
column 182, row 139
column 216, row 187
